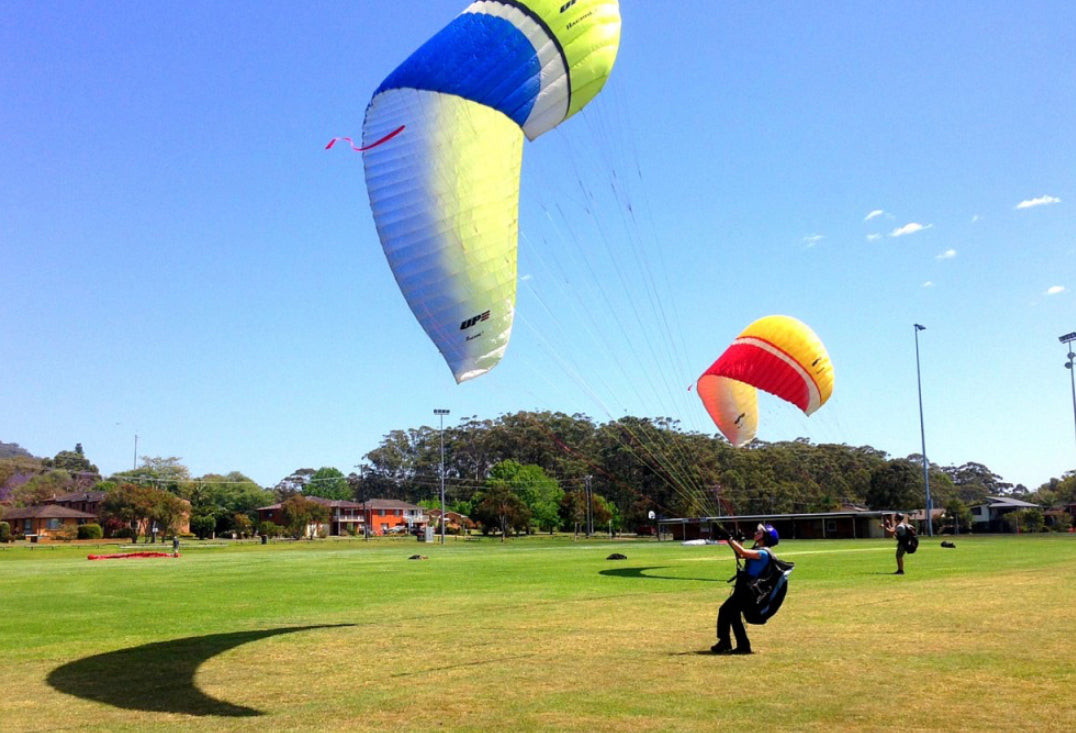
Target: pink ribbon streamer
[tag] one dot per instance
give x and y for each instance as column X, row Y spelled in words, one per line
column 374, row 144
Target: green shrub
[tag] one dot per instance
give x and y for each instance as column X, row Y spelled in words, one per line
column 272, row 529
column 90, row 532
column 203, row 525
column 123, row 533
column 5, row 532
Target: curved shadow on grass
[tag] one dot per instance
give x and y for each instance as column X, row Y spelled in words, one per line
column 159, row 677
column 641, row 573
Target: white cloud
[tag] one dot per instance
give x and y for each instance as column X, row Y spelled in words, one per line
column 1040, row 201
column 928, row 284
column 873, row 214
column 975, row 219
column 1055, row 289
column 909, row 228
column 813, row 239
column 946, row 255
column 873, row 237
column 525, row 278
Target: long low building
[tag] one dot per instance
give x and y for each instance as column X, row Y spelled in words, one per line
column 851, row 524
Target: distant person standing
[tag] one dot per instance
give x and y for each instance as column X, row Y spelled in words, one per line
column 897, row 527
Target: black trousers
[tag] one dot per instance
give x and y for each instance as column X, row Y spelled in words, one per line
column 730, row 617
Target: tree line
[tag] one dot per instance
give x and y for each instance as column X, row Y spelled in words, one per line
column 544, row 471
column 641, row 465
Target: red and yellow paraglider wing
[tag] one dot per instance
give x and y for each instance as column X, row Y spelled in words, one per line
column 777, row 354
column 732, row 405
column 784, row 357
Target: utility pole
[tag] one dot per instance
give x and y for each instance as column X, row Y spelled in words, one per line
column 590, row 515
column 441, row 413
column 362, row 495
column 923, row 435
column 1068, row 338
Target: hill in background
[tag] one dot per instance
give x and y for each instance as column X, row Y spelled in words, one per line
column 13, row 450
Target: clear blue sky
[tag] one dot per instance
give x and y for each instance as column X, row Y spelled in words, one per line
column 182, row 260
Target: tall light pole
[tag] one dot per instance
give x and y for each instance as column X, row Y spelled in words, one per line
column 923, row 434
column 1068, row 338
column 441, row 414
column 362, row 492
column 590, row 507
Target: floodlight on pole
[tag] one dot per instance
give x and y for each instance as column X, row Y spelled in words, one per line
column 1068, row 338
column 362, row 495
column 440, row 412
column 923, row 434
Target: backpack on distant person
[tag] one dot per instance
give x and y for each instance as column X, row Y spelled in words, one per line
column 911, row 539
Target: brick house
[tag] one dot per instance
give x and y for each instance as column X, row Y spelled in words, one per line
column 46, row 520
column 62, row 512
column 387, row 516
column 376, row 516
column 455, row 523
column 93, row 503
column 345, row 517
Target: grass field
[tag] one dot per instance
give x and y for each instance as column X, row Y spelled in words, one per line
column 542, row 634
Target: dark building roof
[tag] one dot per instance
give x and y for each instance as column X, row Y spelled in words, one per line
column 373, row 504
column 75, row 496
column 1005, row 502
column 390, row 504
column 331, row 503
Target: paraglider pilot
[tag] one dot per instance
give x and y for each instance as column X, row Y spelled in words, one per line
column 730, row 616
column 897, row 527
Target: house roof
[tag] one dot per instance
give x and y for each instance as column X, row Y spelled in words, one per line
column 46, row 511
column 391, row 504
column 373, row 504
column 451, row 516
column 331, row 503
column 920, row 515
column 1003, row 502
column 74, row 496
column 340, row 503
column 448, row 512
